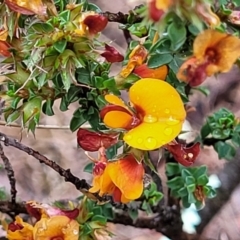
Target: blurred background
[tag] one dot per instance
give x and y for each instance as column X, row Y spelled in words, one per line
column 221, row 216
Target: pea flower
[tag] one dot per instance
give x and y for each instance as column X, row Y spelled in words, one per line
column 115, row 176
column 183, row 154
column 93, row 141
column 213, row 52
column 157, row 116
column 112, row 55
column 19, row 230
column 90, row 23
column 136, row 58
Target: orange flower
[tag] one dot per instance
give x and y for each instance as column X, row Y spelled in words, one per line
column 56, row 227
column 19, row 230
column 213, row 52
column 123, row 179
column 144, row 71
column 136, row 58
column 27, row 7
column 157, row 117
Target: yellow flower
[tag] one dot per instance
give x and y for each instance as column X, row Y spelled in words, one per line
column 157, row 116
column 19, row 230
column 116, row 177
column 56, row 227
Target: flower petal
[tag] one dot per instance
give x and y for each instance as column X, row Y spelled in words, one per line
column 206, row 39
column 96, row 23
column 92, row 141
column 113, row 99
column 149, row 136
column 56, row 227
column 162, row 112
column 118, row 119
column 27, row 7
column 184, row 155
column 112, row 55
column 144, row 71
column 228, row 50
column 127, row 175
column 19, row 230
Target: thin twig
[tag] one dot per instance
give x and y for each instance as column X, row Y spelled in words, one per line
column 42, row 126
column 122, row 17
column 80, row 184
column 127, row 36
column 10, row 173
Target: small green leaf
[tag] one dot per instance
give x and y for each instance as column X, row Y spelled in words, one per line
column 177, row 34
column 158, row 60
column 202, row 180
column 77, row 122
column 60, row 45
column 224, row 150
column 47, row 107
column 133, row 213
column 191, row 188
column 88, row 168
column 172, row 169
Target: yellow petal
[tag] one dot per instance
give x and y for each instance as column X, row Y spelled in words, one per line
column 162, row 112
column 114, row 100
column 56, row 227
column 118, row 119
column 149, row 136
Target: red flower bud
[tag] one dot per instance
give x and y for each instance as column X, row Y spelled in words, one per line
column 96, row 23
column 112, row 55
column 184, row 155
column 92, row 141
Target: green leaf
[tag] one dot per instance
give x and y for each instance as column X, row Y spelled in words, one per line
column 64, row 16
column 13, row 116
column 182, row 192
column 177, row 34
column 60, row 45
column 203, row 89
column 175, row 183
column 83, row 76
column 64, row 104
column 193, row 29
column 111, row 85
column 158, row 60
column 191, row 188
column 172, row 169
column 190, row 180
column 47, row 107
column 42, row 27
column 89, row 168
column 202, row 170
column 191, row 198
column 99, row 218
column 185, row 202
column 224, row 150
column 133, row 213
column 202, row 180
column 205, row 131
column 77, row 122
column 31, row 109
